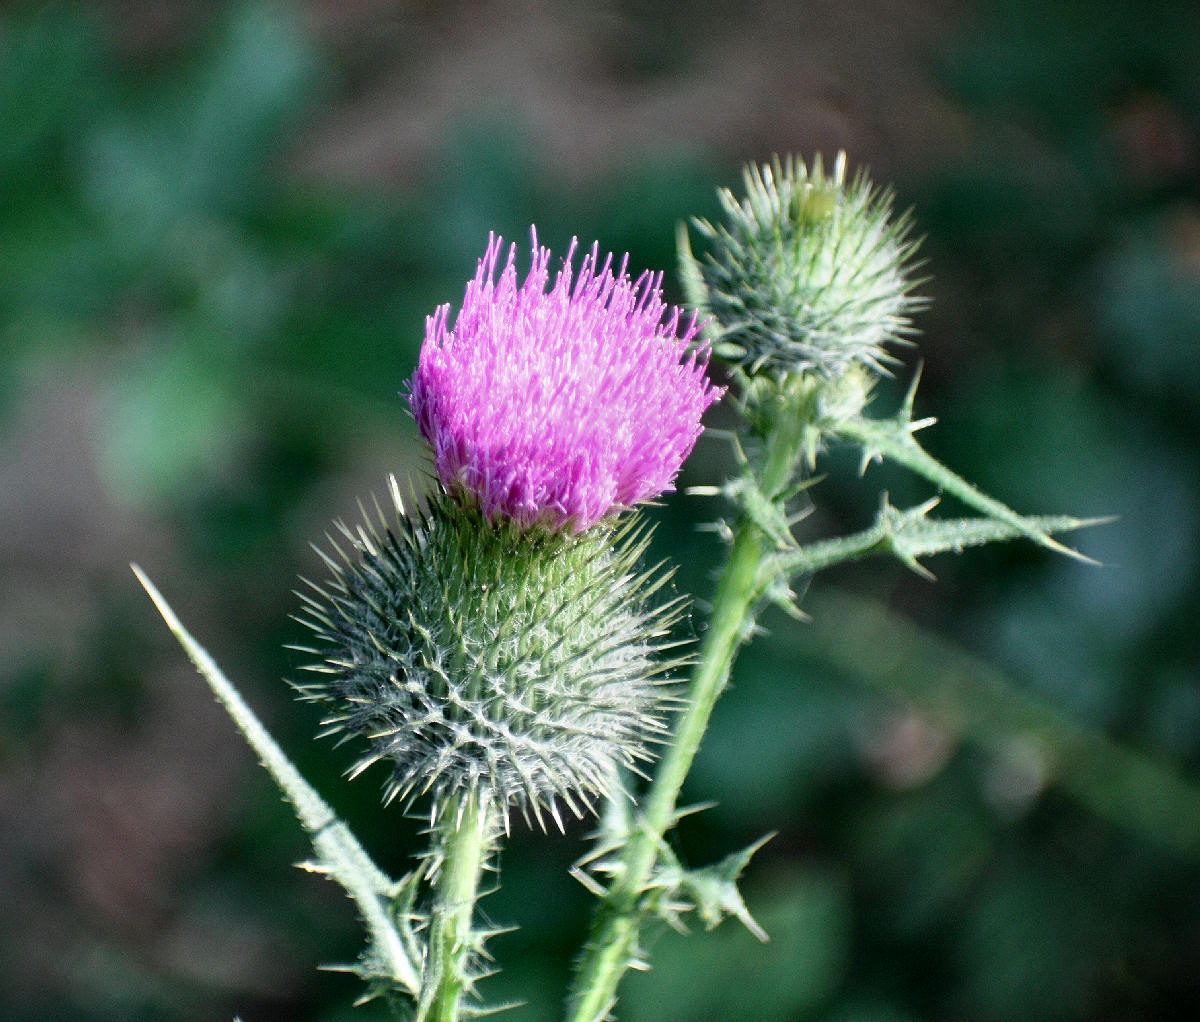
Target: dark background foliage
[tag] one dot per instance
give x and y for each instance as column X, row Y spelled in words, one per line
column 221, row 226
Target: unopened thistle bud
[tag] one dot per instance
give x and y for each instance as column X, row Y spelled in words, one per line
column 503, row 643
column 472, row 659
column 807, row 274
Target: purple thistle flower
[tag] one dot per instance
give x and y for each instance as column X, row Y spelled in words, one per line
column 557, row 408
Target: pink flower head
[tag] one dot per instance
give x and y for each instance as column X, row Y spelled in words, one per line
column 559, row 407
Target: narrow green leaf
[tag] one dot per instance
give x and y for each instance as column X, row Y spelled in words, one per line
column 910, row 534
column 340, row 856
column 893, row 438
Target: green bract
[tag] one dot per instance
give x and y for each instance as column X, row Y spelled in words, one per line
column 474, row 660
column 807, row 273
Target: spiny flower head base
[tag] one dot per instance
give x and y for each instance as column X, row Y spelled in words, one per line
column 558, row 408
column 808, row 273
column 471, row 659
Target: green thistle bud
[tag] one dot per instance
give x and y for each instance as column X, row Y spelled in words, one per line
column 808, row 273
column 474, row 659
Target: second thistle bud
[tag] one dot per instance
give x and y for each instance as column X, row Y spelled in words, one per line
column 807, row 274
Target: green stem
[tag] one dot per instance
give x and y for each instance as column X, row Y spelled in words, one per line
column 613, row 946
column 956, row 690
column 465, row 832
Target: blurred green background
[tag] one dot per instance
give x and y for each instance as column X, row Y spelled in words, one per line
column 221, row 226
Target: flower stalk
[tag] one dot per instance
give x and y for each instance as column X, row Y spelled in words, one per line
column 465, row 838
column 613, row 947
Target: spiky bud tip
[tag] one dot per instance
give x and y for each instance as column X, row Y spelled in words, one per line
column 808, row 274
column 473, row 658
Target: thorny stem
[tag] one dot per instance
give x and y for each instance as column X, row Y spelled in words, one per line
column 465, row 835
column 613, row 946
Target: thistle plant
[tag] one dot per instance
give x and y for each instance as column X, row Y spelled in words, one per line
column 500, row 647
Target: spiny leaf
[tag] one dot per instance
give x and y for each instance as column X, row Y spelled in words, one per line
column 910, row 534
column 339, row 855
column 710, row 891
column 714, row 891
column 893, row 438
column 769, row 515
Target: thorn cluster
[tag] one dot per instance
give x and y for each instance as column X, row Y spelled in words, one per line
column 808, row 272
column 473, row 658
